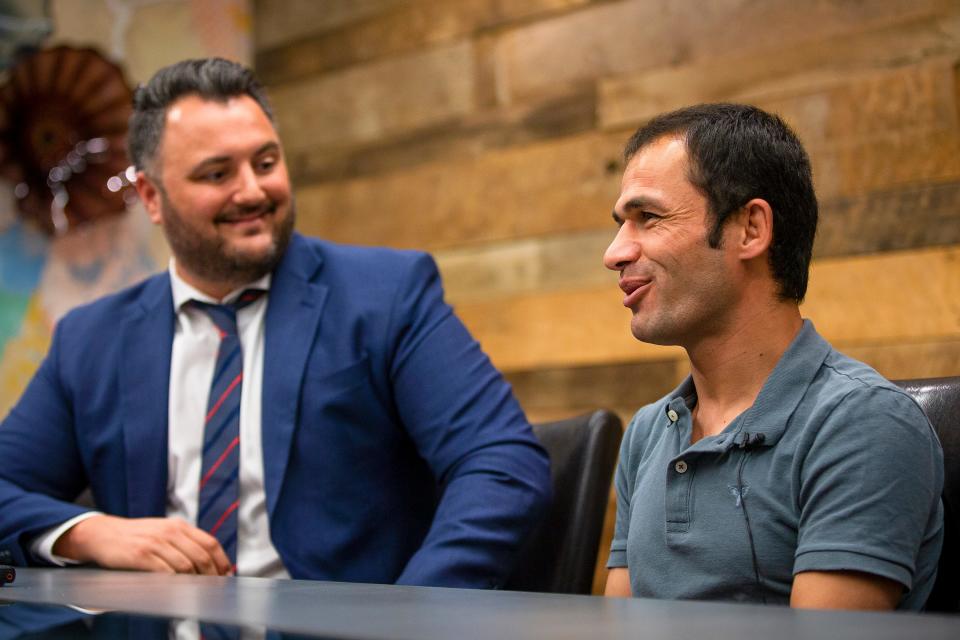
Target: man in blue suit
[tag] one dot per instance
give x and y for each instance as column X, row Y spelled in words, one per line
column 353, row 430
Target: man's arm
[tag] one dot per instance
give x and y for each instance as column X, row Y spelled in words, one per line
column 465, row 422
column 869, row 497
column 165, row 545
column 844, row 590
column 618, row 583
column 43, row 473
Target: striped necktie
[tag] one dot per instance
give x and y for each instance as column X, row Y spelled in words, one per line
column 220, row 472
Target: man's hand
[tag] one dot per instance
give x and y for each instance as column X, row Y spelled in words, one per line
column 166, row 545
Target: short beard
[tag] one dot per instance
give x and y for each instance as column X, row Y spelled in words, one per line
column 210, row 259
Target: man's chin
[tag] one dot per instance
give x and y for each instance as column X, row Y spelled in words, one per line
column 650, row 333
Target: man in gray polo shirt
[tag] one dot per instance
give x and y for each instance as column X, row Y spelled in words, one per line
column 780, row 471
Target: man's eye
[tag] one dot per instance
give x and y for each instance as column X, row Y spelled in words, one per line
column 266, row 164
column 214, row 176
column 646, row 215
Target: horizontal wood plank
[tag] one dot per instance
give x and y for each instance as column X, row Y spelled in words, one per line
column 386, row 30
column 909, row 218
column 568, row 391
column 628, row 100
column 890, row 298
column 620, row 37
column 281, row 21
column 865, row 129
column 549, row 187
column 568, row 185
column 467, row 137
column 380, row 99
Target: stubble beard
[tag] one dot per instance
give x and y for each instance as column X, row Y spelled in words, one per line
column 683, row 320
column 211, row 258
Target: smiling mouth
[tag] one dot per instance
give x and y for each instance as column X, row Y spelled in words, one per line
column 634, row 288
column 246, row 216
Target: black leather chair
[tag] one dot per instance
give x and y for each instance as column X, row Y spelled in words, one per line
column 940, row 399
column 561, row 554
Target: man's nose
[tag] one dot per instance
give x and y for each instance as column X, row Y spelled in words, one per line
column 624, row 250
column 249, row 190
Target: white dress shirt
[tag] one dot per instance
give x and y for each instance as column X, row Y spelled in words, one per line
column 194, row 355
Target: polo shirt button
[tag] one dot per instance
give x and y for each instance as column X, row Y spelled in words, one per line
column 680, row 466
column 672, row 415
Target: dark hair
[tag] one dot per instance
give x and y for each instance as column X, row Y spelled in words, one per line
column 737, row 152
column 209, row 78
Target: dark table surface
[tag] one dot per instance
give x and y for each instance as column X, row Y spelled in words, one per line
column 339, row 610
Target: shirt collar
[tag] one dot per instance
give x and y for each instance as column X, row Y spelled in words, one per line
column 787, row 384
column 183, row 292
column 782, row 391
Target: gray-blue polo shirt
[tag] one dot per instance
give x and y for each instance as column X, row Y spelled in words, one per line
column 848, row 477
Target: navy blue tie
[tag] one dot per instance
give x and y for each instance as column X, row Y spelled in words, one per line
column 220, row 472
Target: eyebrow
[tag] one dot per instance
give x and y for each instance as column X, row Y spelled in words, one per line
column 214, row 160
column 641, row 202
column 633, row 204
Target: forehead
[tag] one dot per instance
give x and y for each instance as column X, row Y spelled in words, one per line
column 662, row 162
column 195, row 126
column 657, row 175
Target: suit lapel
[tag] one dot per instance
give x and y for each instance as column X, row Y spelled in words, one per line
column 147, row 339
column 293, row 314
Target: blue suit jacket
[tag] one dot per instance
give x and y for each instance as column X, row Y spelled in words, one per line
column 393, row 451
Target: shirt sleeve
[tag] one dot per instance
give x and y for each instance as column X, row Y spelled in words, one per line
column 869, row 487
column 42, row 545
column 623, row 485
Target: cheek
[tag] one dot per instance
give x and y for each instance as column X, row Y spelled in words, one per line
column 277, row 185
column 278, row 193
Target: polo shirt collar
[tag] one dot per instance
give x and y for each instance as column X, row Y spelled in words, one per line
column 781, row 393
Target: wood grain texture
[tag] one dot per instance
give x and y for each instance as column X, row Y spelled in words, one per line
column 865, row 129
column 282, row 21
column 872, row 165
column 390, row 30
column 556, row 393
column 908, row 218
column 627, row 100
column 463, row 138
column 628, row 36
column 379, row 99
column 547, row 263
column 549, row 187
column 890, row 298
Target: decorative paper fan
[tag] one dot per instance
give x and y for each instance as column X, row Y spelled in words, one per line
column 63, row 125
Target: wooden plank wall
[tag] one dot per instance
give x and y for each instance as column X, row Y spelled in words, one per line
column 489, row 133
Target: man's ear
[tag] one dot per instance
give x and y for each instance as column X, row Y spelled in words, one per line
column 149, row 193
column 756, row 226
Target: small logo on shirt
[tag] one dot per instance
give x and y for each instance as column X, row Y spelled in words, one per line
column 739, row 493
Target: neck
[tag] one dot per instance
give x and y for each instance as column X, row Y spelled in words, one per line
column 730, row 367
column 216, row 289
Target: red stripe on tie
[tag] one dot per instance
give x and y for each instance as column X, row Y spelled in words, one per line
column 223, row 518
column 213, row 410
column 219, row 461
